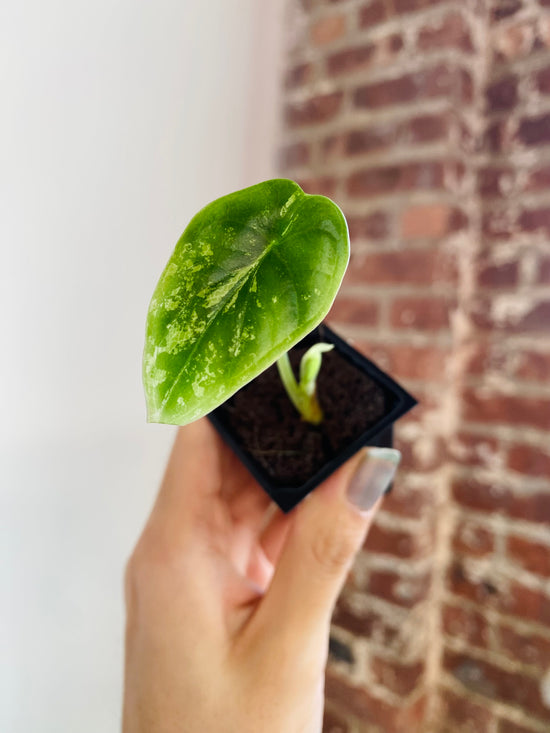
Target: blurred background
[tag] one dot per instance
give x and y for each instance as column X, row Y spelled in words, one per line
column 428, row 122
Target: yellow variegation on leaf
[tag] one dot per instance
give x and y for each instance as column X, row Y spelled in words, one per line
column 253, row 273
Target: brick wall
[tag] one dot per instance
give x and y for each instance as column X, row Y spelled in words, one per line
column 429, row 123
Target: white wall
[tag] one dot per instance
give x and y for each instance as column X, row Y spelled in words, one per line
column 120, row 119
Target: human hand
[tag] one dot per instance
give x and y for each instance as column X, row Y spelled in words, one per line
column 229, row 600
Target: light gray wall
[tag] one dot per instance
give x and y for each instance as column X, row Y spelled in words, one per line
column 120, row 119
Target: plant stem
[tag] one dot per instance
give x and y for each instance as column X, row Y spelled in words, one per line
column 303, row 395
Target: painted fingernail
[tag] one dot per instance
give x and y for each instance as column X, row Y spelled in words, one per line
column 372, row 477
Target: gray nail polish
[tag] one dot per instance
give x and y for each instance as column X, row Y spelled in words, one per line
column 373, row 476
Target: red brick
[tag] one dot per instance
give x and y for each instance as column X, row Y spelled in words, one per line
column 334, row 723
column 388, row 48
column 475, row 494
column 427, row 221
column 471, row 539
column 426, row 128
column 410, row 6
column 439, row 81
column 402, row 679
column 371, row 710
column 482, row 590
column 405, row 591
column 530, row 317
column 331, row 147
column 298, row 75
column 496, row 683
column 534, row 366
column 293, row 155
column 426, row 454
column 350, row 59
column 529, row 460
column 497, row 224
column 424, row 313
column 428, row 363
column 355, row 310
column 323, row 186
column 532, row 556
column 482, row 357
column 474, row 450
column 381, row 52
column 328, row 29
column 375, row 137
column 366, row 623
column 539, row 180
column 543, row 271
column 543, row 81
column 314, row 110
column 372, row 13
column 407, row 502
column 535, row 130
column 526, row 603
column 450, row 32
column 419, row 267
column 494, row 407
column 398, row 543
column 505, row 177
column 493, row 498
column 496, row 182
column 371, row 226
column 372, row 181
column 466, row 624
column 376, row 181
column 532, row 220
column 467, row 139
column 502, row 95
column 405, row 361
column 498, row 276
column 497, row 137
column 465, row 715
column 505, row 8
column 525, row 646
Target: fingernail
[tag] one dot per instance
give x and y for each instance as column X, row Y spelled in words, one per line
column 373, row 476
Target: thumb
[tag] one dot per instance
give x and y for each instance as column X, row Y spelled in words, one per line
column 328, row 529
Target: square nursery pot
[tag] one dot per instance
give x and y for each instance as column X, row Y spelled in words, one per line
column 288, row 456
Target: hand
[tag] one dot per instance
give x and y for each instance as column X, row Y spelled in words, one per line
column 229, row 600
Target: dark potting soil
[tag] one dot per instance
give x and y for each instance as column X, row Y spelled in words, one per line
column 288, row 449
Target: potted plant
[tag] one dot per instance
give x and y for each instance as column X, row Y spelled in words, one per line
column 234, row 331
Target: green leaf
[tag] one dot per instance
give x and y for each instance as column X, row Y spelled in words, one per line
column 253, row 273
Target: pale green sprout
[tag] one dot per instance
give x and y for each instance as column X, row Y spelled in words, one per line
column 303, row 394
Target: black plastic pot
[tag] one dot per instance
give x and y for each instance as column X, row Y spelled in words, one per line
column 290, row 457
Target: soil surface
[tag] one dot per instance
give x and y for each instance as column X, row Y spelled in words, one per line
column 290, row 450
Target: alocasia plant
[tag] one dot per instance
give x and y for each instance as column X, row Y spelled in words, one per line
column 253, row 273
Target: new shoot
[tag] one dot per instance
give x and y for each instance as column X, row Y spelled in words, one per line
column 303, row 394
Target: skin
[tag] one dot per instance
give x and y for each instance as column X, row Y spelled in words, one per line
column 229, row 601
